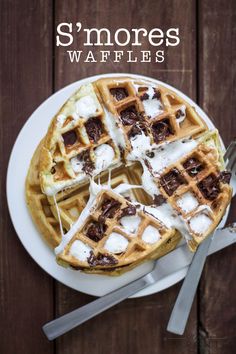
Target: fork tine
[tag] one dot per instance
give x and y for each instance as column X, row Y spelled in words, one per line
column 229, row 150
column 231, row 161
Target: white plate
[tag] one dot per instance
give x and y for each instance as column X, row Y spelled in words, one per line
column 29, row 137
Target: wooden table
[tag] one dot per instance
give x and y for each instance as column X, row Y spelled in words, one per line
column 32, row 68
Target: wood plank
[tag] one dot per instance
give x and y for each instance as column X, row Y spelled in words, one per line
column 137, row 325
column 26, row 292
column 217, row 90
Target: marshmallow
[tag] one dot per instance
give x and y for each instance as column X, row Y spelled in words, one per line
column 187, row 202
column 116, row 243
column 151, row 235
column 80, row 250
column 104, row 155
column 130, row 223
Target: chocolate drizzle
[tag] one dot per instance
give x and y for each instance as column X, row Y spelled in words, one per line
column 94, row 129
column 119, row 93
column 171, row 181
column 161, row 130
column 69, row 138
column 96, row 230
column 193, row 166
column 144, row 96
column 130, row 116
column 156, row 95
column 101, row 259
column 137, row 129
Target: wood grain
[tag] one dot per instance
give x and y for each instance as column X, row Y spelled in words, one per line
column 217, row 91
column 26, row 292
column 137, row 325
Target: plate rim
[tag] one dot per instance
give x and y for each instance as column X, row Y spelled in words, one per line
column 173, row 278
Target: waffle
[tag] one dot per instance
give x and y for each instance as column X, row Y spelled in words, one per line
column 76, row 142
column 70, row 205
column 198, row 190
column 114, row 234
column 125, row 131
column 141, row 106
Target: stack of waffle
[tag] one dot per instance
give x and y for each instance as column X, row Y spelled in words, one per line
column 125, row 169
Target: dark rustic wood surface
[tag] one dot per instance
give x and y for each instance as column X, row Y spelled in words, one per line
column 204, row 67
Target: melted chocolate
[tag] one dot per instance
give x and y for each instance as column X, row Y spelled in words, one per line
column 156, row 95
column 225, row 176
column 210, row 187
column 88, row 165
column 96, row 230
column 161, row 130
column 119, row 93
column 159, row 200
column 171, row 181
column 193, row 166
column 94, row 129
column 179, row 114
column 137, row 129
column 109, row 208
column 150, row 154
column 101, row 259
column 69, row 138
column 129, row 210
column 130, row 116
column 144, row 97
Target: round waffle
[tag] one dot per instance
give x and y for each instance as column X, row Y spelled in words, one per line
column 145, row 136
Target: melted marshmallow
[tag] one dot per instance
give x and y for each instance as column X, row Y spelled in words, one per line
column 200, row 223
column 86, row 107
column 187, row 202
column 168, row 153
column 77, row 164
column 152, row 107
column 130, row 223
column 116, row 243
column 114, row 130
column 104, row 155
column 151, row 235
column 80, row 250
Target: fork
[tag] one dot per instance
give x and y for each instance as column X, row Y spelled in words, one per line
column 180, row 313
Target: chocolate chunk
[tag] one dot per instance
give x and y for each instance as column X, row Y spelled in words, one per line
column 101, row 259
column 193, row 166
column 171, row 181
column 69, row 138
column 88, row 165
column 130, row 115
column 156, row 95
column 161, row 130
column 96, row 230
column 137, row 129
column 225, row 176
column 159, row 199
column 179, row 114
column 109, row 208
column 150, row 154
column 210, row 187
column 144, row 97
column 94, row 129
column 119, row 93
column 129, row 210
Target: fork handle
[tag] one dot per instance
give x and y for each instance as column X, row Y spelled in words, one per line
column 73, row 319
column 183, row 304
